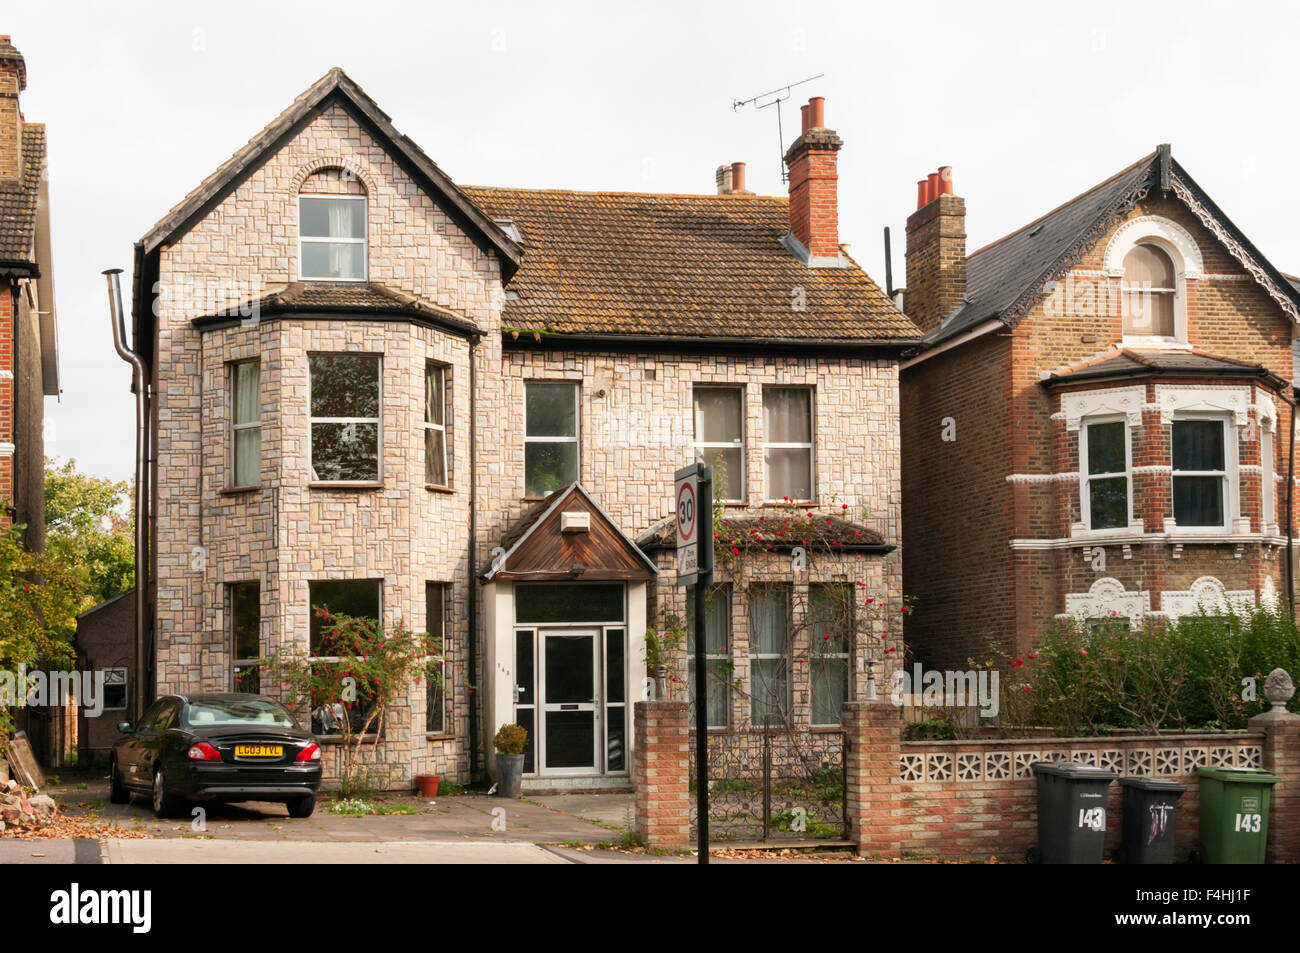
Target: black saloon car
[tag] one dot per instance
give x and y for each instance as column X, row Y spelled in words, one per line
column 220, row 746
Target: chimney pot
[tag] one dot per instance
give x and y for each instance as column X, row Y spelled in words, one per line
column 723, row 179
column 922, row 187
column 817, row 112
column 803, row 113
column 737, row 176
column 933, row 187
column 945, row 180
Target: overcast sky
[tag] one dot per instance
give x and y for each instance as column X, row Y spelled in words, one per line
column 1031, row 104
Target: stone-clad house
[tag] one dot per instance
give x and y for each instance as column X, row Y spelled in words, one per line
column 1098, row 424
column 461, row 408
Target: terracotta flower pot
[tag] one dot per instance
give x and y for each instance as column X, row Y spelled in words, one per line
column 428, row 784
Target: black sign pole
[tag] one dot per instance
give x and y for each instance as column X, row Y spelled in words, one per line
column 703, row 578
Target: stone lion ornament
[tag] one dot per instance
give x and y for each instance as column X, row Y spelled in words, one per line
column 1278, row 688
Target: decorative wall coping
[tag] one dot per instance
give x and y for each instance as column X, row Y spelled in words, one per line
column 1099, row 740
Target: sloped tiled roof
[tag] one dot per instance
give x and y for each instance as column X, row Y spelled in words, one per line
column 678, row 266
column 769, row 533
column 18, row 201
column 1132, row 362
column 325, row 297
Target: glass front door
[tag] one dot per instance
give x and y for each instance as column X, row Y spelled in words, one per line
column 569, row 692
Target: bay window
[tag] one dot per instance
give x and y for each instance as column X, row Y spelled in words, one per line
column 1200, row 472
column 717, row 660
column 246, row 636
column 769, row 654
column 246, row 423
column 435, row 426
column 345, row 417
column 830, row 636
column 1107, row 474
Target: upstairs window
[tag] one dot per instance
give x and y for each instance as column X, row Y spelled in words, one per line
column 246, row 423
column 1149, row 288
column 344, row 418
column 435, row 426
column 788, row 443
column 720, row 437
column 550, row 436
column 1104, row 450
column 1200, row 460
column 332, row 238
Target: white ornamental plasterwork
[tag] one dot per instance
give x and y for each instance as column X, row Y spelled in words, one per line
column 1164, row 231
column 1268, row 594
column 1108, row 597
column 1266, row 410
column 1235, row 249
column 1171, row 398
column 1205, row 593
column 1113, row 400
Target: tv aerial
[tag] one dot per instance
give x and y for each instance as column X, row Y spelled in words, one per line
column 774, row 97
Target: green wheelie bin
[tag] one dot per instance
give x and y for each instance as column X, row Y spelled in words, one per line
column 1234, row 814
column 1071, row 812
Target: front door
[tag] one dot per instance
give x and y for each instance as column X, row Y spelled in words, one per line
column 569, row 692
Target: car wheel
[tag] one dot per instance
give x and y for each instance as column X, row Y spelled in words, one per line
column 164, row 804
column 117, row 792
column 303, row 806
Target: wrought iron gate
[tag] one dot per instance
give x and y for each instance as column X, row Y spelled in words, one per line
column 774, row 784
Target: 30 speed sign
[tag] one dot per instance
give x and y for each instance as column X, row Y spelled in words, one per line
column 693, row 516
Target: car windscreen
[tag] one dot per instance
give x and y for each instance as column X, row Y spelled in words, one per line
column 250, row 712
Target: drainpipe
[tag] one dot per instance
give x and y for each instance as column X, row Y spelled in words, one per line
column 15, row 296
column 473, row 558
column 138, row 387
column 1290, row 491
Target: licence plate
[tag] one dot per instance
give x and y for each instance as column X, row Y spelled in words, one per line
column 259, row 751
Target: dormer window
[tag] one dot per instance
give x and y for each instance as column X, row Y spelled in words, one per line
column 1150, row 287
column 332, row 237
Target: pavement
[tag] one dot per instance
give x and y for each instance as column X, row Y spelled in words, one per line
column 576, row 828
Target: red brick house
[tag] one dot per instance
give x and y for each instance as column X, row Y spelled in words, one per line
column 1098, row 423
column 28, row 355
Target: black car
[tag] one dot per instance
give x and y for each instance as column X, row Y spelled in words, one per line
column 220, row 746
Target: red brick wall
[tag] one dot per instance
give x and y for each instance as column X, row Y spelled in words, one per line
column 660, row 774
column 6, row 402
column 957, row 564
column 814, row 212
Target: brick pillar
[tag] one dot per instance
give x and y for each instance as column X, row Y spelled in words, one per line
column 661, row 753
column 872, row 736
column 1281, row 756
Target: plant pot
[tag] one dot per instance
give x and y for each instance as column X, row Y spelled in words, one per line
column 510, row 774
column 428, row 784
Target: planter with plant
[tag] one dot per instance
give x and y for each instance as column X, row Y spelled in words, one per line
column 510, row 742
column 427, row 784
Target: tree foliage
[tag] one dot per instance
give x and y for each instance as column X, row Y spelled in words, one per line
column 86, row 529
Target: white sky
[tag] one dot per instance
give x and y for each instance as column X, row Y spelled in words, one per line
column 1030, row 103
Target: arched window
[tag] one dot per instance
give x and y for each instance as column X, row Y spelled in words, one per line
column 1150, row 287
column 332, row 227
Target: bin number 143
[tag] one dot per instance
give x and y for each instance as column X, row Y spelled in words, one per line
column 1094, row 818
column 1249, row 822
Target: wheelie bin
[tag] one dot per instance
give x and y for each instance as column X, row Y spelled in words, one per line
column 1234, row 814
column 1150, row 815
column 1071, row 812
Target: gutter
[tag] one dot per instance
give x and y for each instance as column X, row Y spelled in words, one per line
column 417, row 316
column 992, row 324
column 1242, row 373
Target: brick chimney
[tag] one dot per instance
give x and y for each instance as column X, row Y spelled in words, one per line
column 936, row 251
column 814, row 214
column 13, row 80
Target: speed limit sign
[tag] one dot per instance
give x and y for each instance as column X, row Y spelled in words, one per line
column 693, row 516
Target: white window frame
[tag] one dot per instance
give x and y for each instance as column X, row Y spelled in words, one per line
column 1267, row 478
column 335, row 659
column 318, row 239
column 378, row 421
column 236, row 427
column 810, row 446
column 442, row 370
column 787, row 703
column 576, row 439
column 442, row 635
column 700, row 446
column 724, row 591
column 235, row 658
column 1085, row 478
column 1179, row 338
column 1230, row 473
column 840, row 591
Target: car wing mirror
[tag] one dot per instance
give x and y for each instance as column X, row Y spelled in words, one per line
column 124, row 727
